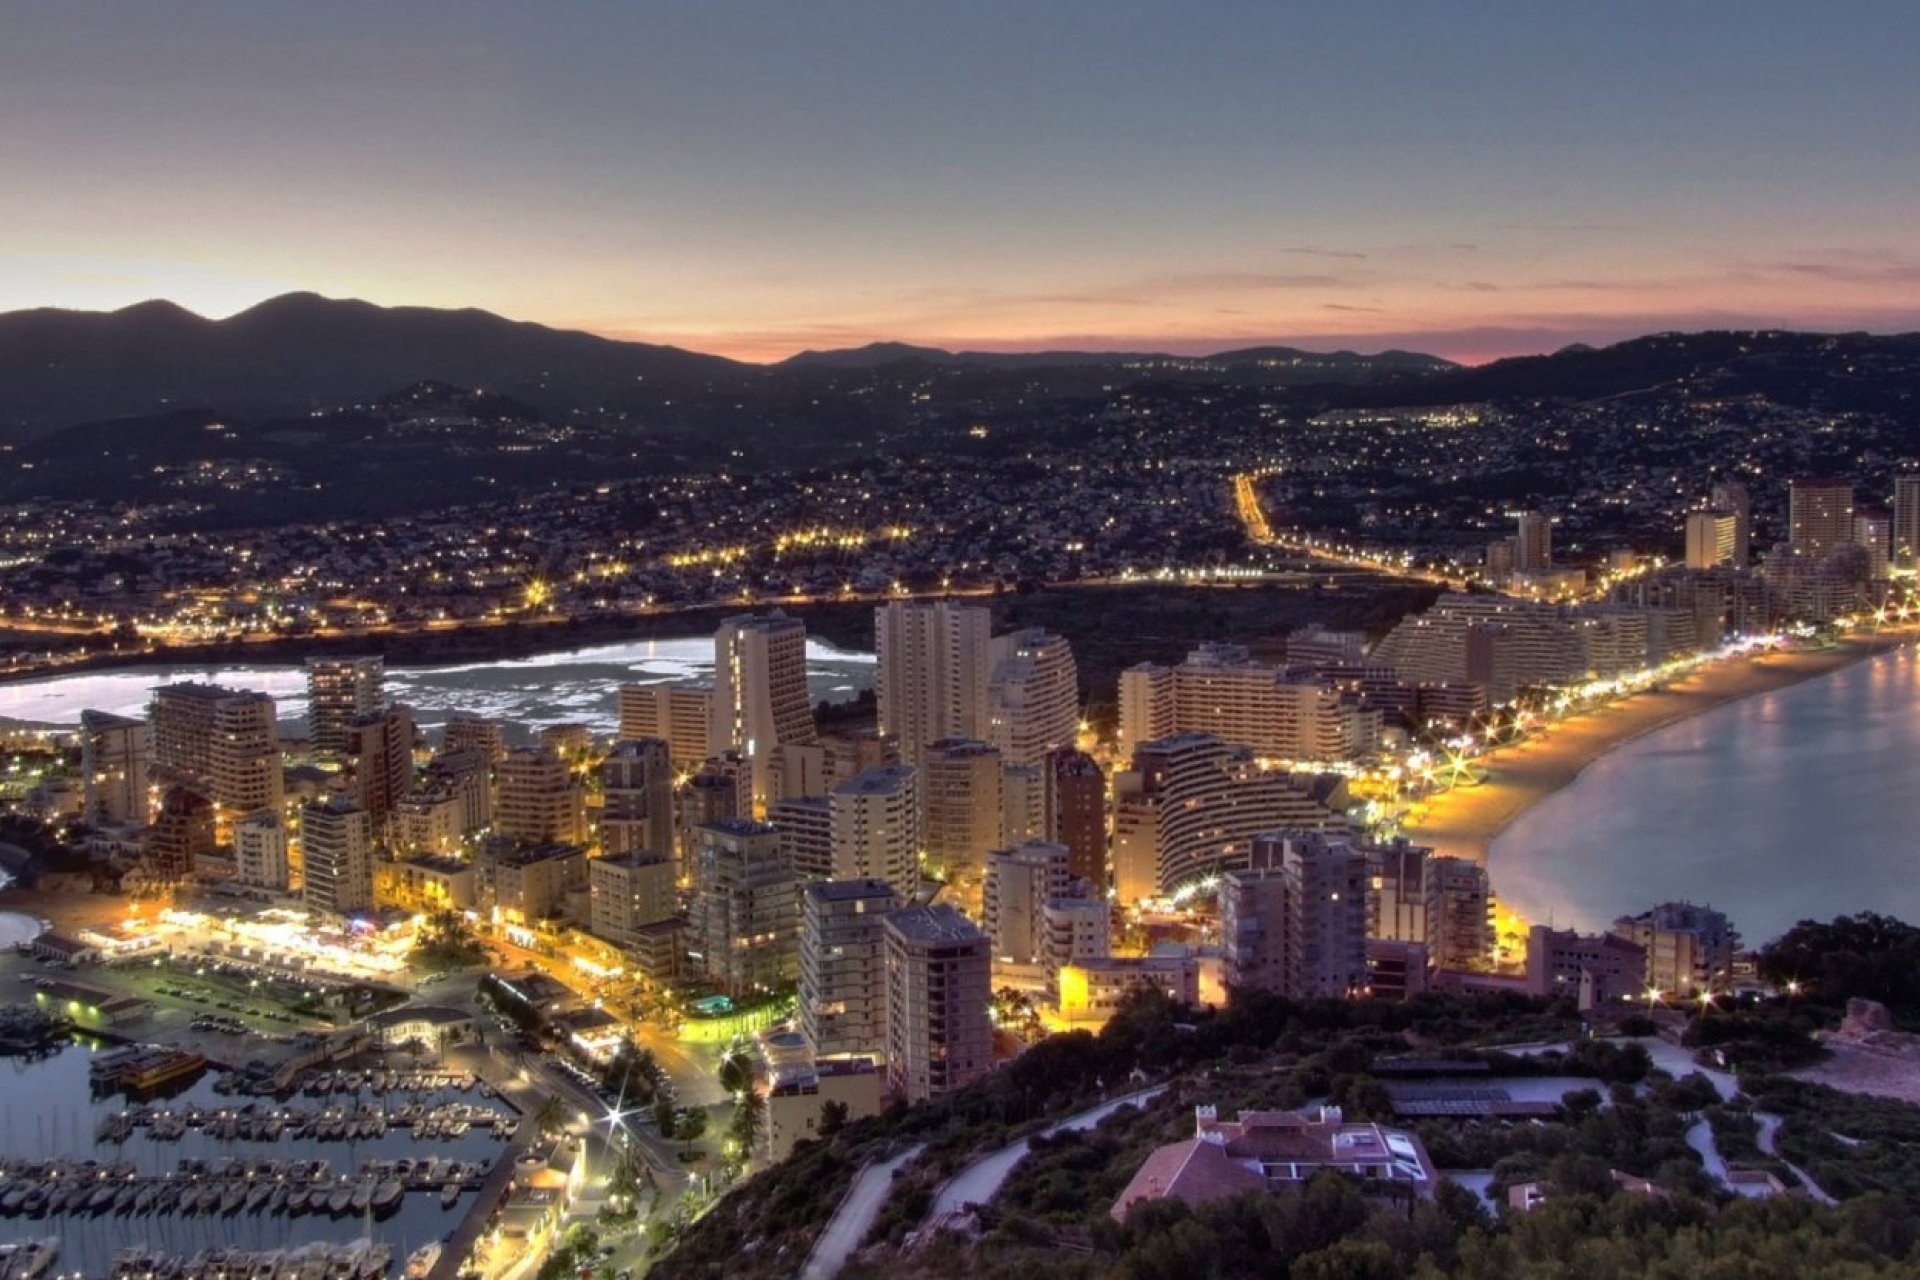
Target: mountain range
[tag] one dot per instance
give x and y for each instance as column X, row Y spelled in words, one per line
column 301, row 352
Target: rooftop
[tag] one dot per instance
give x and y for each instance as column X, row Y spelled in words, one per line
column 938, row 923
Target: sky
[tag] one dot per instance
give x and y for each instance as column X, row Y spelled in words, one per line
column 1474, row 179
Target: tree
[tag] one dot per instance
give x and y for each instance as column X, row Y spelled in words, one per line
column 690, row 1126
column 833, row 1118
column 749, row 1120
column 551, row 1118
column 736, row 1071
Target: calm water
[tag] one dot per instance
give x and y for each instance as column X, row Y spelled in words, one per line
column 47, row 1110
column 1800, row 803
column 555, row 688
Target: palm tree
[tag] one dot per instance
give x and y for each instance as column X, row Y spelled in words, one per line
column 552, row 1115
column 690, row 1126
column 749, row 1119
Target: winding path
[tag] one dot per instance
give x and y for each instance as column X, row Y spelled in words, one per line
column 854, row 1218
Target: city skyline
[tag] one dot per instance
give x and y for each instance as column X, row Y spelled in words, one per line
column 757, row 181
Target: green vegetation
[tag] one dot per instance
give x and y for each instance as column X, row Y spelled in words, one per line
column 1051, row 1218
column 446, row 941
column 1865, row 956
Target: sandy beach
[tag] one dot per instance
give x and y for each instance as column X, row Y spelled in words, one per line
column 1464, row 821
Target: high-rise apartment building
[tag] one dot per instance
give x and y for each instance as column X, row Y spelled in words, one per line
column 843, row 972
column 939, row 985
column 1220, row 690
column 340, row 691
column 760, row 692
column 1077, row 813
column 1532, row 542
column 471, row 733
column 1906, row 520
column 806, row 833
column 1732, row 497
column 1191, row 805
column 222, row 742
column 1593, row 968
column 1819, row 516
column 378, row 750
column 1442, row 903
column 181, row 838
column 260, row 851
column 876, row 828
column 746, row 910
column 636, row 783
column 681, row 715
column 336, row 856
column 1033, row 695
column 1873, row 532
column 539, row 801
column 1020, row 882
column 115, row 756
column 627, row 892
column 933, row 665
column 1023, row 802
column 1712, row 539
column 1297, row 925
column 961, row 806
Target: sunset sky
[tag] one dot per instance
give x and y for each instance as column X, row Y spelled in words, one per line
column 1474, row 179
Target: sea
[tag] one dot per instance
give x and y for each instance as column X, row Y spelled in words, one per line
column 530, row 693
column 1803, row 803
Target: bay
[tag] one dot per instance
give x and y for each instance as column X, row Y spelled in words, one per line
column 1800, row 803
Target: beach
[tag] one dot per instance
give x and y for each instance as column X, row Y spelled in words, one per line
column 1464, row 821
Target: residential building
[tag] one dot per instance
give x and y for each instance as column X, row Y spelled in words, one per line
column 1093, row 989
column 806, row 833
column 1020, row 882
column 961, row 804
column 1819, row 516
column 182, row 836
column 843, row 972
column 471, row 733
column 1191, row 805
column 681, row 715
column 539, row 800
column 1593, row 969
column 1532, row 542
column 336, row 856
column 1033, row 697
column 1023, row 802
column 1712, row 538
column 760, row 692
column 939, row 987
column 524, row 883
column 260, row 851
column 116, row 753
column 630, row 891
column 1297, row 922
column 1077, row 813
column 746, row 912
column 876, row 828
column 1906, row 520
column 378, row 751
column 340, row 691
column 933, row 666
column 1220, row 690
column 1732, row 496
column 1873, row 532
column 428, row 882
column 1689, row 949
column 1277, row 1151
column 796, row 1098
column 636, row 783
column 222, row 742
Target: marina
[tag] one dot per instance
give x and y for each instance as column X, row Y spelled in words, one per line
column 343, row 1173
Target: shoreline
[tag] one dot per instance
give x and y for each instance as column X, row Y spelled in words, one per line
column 1465, row 821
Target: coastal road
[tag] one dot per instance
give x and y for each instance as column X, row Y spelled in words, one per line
column 854, row 1218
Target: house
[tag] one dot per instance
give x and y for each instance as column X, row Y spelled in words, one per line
column 1274, row 1150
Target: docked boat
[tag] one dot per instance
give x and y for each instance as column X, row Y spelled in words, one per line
column 388, row 1194
column 421, row 1261
column 449, row 1194
column 340, row 1200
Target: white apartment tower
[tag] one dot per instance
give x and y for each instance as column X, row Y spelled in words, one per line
column 760, row 692
column 115, row 755
column 876, row 827
column 679, row 714
column 746, row 915
column 933, row 665
column 1033, row 697
column 340, row 691
column 224, row 742
column 336, row 856
column 260, row 851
